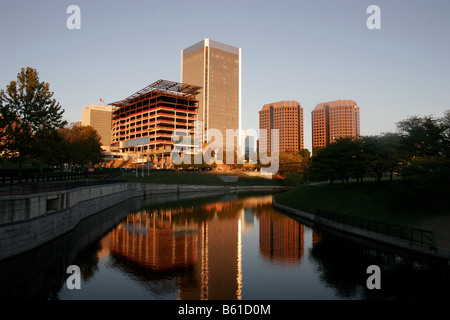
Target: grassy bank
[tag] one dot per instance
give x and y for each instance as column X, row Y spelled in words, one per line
column 200, row 178
column 393, row 203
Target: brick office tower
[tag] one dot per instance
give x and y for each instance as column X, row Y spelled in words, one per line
column 287, row 117
column 334, row 119
column 216, row 67
column 143, row 123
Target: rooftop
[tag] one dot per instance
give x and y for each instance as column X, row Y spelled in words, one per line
column 280, row 104
column 336, row 103
column 213, row 44
column 162, row 85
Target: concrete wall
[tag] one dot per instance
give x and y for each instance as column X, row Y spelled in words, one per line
column 26, row 207
column 31, row 220
column 28, row 221
column 401, row 243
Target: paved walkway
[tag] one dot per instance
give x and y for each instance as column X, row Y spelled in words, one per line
column 440, row 225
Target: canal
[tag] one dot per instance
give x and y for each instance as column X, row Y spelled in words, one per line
column 220, row 246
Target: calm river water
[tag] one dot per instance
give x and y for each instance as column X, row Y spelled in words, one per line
column 233, row 246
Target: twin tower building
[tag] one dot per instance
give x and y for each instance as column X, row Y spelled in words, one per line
column 330, row 121
column 209, row 92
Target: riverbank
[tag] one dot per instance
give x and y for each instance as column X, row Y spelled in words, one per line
column 213, row 178
column 389, row 204
column 28, row 221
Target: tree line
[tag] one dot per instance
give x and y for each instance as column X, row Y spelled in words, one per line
column 418, row 152
column 32, row 127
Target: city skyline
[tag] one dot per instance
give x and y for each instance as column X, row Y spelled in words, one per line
column 291, row 50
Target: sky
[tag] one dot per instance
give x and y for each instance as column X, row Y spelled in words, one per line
column 310, row 51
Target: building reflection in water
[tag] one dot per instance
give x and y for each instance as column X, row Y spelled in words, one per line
column 316, row 237
column 150, row 239
column 187, row 250
column 200, row 246
column 280, row 238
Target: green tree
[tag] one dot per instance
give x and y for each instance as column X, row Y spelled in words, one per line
column 444, row 123
column 323, row 165
column 394, row 155
column 28, row 113
column 348, row 153
column 292, row 166
column 425, row 149
column 82, row 146
column 46, row 148
column 340, row 160
column 421, row 136
column 306, row 155
column 290, row 162
column 376, row 154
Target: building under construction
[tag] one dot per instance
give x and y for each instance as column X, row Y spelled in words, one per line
column 143, row 123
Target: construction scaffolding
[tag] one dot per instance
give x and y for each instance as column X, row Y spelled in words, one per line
column 143, row 123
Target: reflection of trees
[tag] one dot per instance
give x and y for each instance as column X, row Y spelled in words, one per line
column 342, row 264
column 341, row 267
column 88, row 261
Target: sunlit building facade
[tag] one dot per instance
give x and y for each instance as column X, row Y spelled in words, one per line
column 216, row 67
column 287, row 117
column 334, row 119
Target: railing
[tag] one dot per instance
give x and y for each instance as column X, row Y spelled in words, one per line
column 10, row 179
column 6, row 179
column 31, row 188
column 407, row 233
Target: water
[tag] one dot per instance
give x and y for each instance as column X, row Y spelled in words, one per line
column 233, row 246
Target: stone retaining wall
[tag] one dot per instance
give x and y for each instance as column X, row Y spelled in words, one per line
column 404, row 244
column 28, row 221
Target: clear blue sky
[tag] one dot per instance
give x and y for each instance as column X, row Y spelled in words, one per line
column 309, row 51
